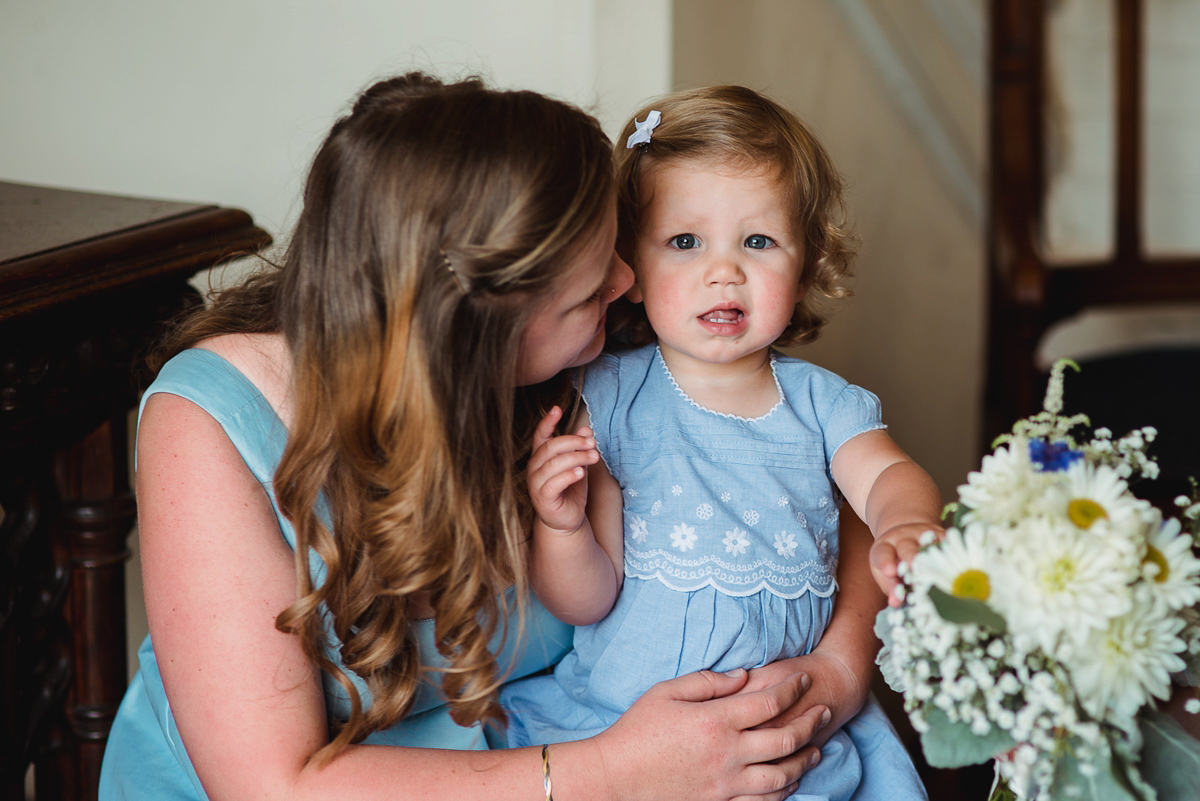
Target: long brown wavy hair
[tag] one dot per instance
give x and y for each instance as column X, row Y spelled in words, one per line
column 747, row 130
column 436, row 217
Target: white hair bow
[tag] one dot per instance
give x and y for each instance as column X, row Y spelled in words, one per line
column 642, row 129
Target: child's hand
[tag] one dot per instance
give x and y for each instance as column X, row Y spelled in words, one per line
column 897, row 544
column 558, row 474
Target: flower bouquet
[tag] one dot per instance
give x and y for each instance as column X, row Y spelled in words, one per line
column 1057, row 607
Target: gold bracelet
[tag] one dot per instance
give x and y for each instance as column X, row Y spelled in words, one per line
column 546, row 772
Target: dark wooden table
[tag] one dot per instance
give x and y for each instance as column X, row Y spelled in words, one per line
column 86, row 281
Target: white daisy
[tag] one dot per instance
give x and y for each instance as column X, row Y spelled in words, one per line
column 1128, row 661
column 704, row 511
column 782, row 501
column 1061, row 582
column 683, row 537
column 725, row 496
column 735, row 541
column 637, row 528
column 959, row 565
column 1007, row 488
column 632, row 493
column 1171, row 569
column 785, row 544
column 1093, row 493
column 676, row 490
column 750, row 517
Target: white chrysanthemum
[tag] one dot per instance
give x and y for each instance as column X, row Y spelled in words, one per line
column 958, row 565
column 1128, row 661
column 1062, row 582
column 1007, row 488
column 1171, row 569
column 1091, row 494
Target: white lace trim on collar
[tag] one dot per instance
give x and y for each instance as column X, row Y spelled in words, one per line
column 688, row 398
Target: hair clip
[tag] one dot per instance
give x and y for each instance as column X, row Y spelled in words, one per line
column 458, row 279
column 641, row 133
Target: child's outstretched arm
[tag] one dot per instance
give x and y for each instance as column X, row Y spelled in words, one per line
column 893, row 495
column 576, row 557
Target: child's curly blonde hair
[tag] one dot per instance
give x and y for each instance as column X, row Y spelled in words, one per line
column 740, row 127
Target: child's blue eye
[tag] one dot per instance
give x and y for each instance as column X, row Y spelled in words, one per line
column 684, row 241
column 759, row 242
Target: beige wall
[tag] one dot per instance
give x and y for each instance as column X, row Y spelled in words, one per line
column 913, row 332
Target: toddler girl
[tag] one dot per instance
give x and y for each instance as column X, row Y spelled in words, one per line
column 691, row 521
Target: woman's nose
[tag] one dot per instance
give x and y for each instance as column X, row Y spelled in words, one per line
column 621, row 279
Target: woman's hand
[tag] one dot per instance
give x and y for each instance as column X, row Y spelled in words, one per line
column 701, row 737
column 832, row 686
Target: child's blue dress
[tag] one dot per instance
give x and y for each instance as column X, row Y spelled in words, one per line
column 731, row 546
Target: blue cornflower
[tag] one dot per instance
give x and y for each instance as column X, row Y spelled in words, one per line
column 1052, row 456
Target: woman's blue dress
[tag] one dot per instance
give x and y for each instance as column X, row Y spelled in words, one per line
column 731, row 547
column 145, row 757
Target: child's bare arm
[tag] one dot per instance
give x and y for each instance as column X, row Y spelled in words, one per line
column 575, row 567
column 893, row 495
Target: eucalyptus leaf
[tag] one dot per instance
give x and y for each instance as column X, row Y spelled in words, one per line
column 1109, row 781
column 883, row 630
column 1170, row 757
column 966, row 610
column 953, row 745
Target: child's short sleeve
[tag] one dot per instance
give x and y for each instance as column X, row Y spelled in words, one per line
column 853, row 411
column 601, row 386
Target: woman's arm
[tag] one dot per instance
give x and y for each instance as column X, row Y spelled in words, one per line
column 577, row 550
column 249, row 705
column 843, row 663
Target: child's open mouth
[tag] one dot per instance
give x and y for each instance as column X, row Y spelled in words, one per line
column 723, row 316
column 724, row 322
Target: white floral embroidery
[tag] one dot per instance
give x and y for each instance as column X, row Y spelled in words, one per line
column 704, row 511
column 785, row 544
column 684, row 537
column 823, row 502
column 801, row 519
column 676, row 490
column 656, row 507
column 725, row 497
column 783, row 501
column 750, row 517
column 735, row 541
column 632, row 493
column 637, row 528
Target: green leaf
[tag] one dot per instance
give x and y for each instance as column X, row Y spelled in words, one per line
column 1170, row 757
column 966, row 610
column 960, row 512
column 1110, row 782
column 883, row 630
column 952, row 745
column 1002, row 792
